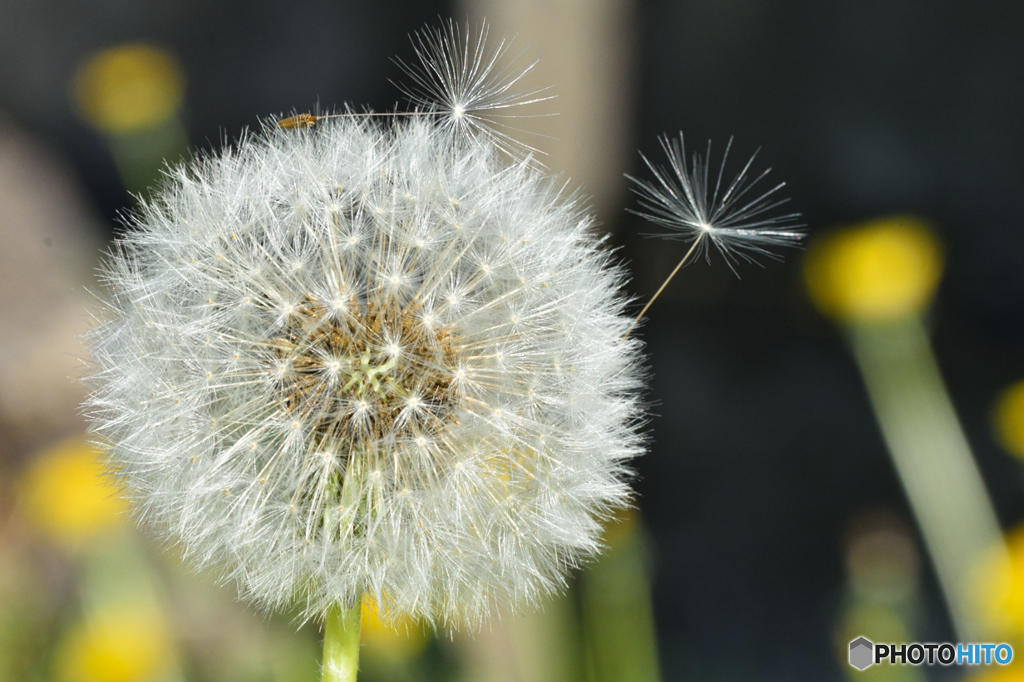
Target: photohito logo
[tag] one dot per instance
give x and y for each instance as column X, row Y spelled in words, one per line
column 865, row 653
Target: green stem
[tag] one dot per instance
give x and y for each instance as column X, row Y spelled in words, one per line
column 932, row 458
column 341, row 643
column 618, row 612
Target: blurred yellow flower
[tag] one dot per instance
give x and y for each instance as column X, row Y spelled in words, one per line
column 1009, row 419
column 1011, row 673
column 65, row 495
column 129, row 88
column 875, row 272
column 397, row 637
column 117, row 646
column 999, row 589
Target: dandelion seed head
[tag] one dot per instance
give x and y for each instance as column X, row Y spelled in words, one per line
column 339, row 400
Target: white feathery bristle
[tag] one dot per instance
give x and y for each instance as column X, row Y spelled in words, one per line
column 357, row 358
column 736, row 218
column 471, row 85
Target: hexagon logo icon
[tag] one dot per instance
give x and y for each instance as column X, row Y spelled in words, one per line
column 861, row 653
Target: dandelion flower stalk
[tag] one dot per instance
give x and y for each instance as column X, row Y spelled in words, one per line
column 615, row 596
column 932, row 458
column 877, row 280
column 341, row 643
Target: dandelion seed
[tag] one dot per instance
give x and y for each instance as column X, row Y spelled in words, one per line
column 735, row 218
column 471, row 85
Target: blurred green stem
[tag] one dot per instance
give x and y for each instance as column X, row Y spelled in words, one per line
column 141, row 156
column 621, row 639
column 931, row 455
column 341, row 643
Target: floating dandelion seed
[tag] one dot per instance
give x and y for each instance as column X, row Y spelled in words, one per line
column 685, row 201
column 695, row 206
column 358, row 359
column 470, row 85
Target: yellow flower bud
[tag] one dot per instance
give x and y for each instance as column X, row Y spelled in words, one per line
column 117, row 646
column 390, row 635
column 1009, row 419
column 998, row 582
column 129, row 88
column 879, row 271
column 1013, row 673
column 66, row 496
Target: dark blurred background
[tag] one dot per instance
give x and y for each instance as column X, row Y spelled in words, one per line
column 766, row 460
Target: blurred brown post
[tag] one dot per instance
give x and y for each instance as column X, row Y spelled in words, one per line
column 585, row 51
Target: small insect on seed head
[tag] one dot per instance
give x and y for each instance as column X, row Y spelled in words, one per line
column 298, row 121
